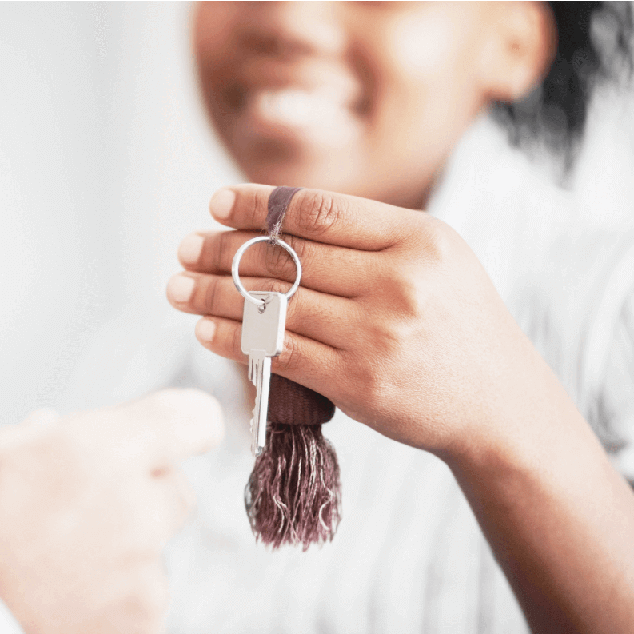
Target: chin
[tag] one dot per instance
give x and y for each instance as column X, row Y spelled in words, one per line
column 300, row 173
column 288, row 157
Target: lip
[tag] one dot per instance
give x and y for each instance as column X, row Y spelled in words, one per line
column 311, row 104
column 294, row 120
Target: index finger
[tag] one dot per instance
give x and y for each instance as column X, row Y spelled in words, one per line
column 317, row 215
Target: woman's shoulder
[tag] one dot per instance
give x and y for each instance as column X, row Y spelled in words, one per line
column 613, row 383
column 576, row 294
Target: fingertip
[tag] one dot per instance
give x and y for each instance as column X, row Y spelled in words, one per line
column 180, row 288
column 205, row 330
column 190, row 249
column 221, row 204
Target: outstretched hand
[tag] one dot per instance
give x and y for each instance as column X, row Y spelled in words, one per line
column 395, row 320
column 87, row 503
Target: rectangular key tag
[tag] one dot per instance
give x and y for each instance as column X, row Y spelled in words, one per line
column 264, row 330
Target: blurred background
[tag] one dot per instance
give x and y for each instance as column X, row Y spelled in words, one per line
column 106, row 162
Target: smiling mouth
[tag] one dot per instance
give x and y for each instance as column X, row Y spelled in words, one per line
column 308, row 106
column 316, row 117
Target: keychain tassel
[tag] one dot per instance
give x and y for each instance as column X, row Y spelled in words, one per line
column 292, row 496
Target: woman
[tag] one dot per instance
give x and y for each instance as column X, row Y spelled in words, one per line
column 366, row 99
column 398, row 323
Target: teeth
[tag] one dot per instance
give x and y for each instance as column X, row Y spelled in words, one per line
column 298, row 107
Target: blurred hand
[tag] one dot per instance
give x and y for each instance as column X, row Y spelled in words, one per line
column 395, row 320
column 87, row 503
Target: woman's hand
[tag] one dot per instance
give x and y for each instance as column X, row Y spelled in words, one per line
column 395, row 320
column 399, row 325
column 87, row 503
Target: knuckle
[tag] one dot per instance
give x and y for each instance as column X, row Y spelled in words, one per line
column 317, row 211
column 387, row 338
column 273, row 286
column 143, row 607
column 257, row 202
column 211, row 296
column 408, row 299
column 301, row 247
column 290, row 359
column 236, row 343
column 400, row 291
column 371, row 380
column 223, row 254
column 437, row 242
column 279, row 263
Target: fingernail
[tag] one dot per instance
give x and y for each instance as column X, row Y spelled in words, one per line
column 190, row 249
column 221, row 203
column 180, row 288
column 205, row 330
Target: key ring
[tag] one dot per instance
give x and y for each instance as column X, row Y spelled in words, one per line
column 236, row 262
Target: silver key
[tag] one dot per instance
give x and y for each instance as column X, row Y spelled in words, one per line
column 262, row 339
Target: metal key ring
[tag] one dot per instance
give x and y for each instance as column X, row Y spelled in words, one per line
column 236, row 262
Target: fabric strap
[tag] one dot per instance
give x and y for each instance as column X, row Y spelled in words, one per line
column 279, row 200
column 289, row 402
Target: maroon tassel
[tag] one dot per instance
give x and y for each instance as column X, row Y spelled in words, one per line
column 293, row 493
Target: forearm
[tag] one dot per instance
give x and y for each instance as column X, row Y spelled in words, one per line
column 559, row 518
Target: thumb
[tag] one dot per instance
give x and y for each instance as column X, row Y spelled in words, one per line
column 176, row 423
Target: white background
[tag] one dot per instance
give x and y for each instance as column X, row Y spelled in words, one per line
column 106, row 163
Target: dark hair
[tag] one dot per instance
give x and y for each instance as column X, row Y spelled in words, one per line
column 594, row 45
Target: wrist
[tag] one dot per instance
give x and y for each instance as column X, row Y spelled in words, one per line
column 557, row 516
column 533, row 426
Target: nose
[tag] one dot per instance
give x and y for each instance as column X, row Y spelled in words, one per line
column 293, row 29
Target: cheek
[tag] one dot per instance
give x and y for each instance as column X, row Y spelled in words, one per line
column 212, row 36
column 212, row 26
column 428, row 84
column 432, row 59
column 422, row 46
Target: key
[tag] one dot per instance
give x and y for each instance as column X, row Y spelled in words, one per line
column 262, row 339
